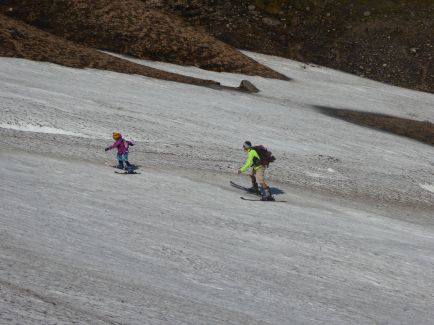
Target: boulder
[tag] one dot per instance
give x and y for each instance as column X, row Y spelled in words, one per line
column 247, row 86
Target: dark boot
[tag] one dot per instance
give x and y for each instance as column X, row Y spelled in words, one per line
column 120, row 164
column 129, row 168
column 255, row 189
column 127, row 165
column 266, row 195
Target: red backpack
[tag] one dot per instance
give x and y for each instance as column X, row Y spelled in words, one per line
column 265, row 157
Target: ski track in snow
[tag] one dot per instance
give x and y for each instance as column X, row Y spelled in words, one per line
column 175, row 244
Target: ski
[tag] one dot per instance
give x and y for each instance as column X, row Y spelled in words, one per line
column 248, row 191
column 240, row 187
column 134, row 167
column 247, row 199
column 127, row 173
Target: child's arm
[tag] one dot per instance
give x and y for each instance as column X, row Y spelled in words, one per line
column 114, row 145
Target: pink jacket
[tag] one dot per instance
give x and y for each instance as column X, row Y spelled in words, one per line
column 122, row 146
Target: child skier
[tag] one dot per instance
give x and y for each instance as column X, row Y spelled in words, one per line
column 122, row 155
column 257, row 172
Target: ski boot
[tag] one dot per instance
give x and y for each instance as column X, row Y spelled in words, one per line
column 267, row 195
column 129, row 168
column 254, row 189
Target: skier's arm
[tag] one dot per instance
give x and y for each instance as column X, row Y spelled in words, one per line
column 248, row 162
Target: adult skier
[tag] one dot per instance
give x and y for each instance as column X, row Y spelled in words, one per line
column 257, row 172
column 122, row 156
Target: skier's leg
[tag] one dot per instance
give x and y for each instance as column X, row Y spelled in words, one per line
column 266, row 194
column 254, row 188
column 260, row 176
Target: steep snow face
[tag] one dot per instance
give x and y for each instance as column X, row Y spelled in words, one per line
column 175, row 244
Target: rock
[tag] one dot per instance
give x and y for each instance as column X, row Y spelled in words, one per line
column 251, row 7
column 247, row 86
column 270, row 21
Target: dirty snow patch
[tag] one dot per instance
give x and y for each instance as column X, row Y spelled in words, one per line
column 38, row 129
column 428, row 187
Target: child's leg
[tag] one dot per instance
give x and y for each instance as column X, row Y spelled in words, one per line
column 120, row 162
column 125, row 159
column 129, row 167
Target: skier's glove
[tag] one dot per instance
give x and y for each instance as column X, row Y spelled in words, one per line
column 106, row 149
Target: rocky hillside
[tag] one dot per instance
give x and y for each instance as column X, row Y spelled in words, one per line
column 23, row 41
column 131, row 27
column 389, row 41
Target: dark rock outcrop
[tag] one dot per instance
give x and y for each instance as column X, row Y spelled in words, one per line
column 388, row 41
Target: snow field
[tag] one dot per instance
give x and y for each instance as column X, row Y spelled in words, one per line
column 175, row 244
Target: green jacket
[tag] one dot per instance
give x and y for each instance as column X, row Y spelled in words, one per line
column 252, row 159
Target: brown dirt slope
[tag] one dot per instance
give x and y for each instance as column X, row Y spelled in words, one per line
column 422, row 131
column 23, row 41
column 388, row 41
column 130, row 27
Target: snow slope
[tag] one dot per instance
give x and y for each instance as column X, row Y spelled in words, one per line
column 175, row 244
